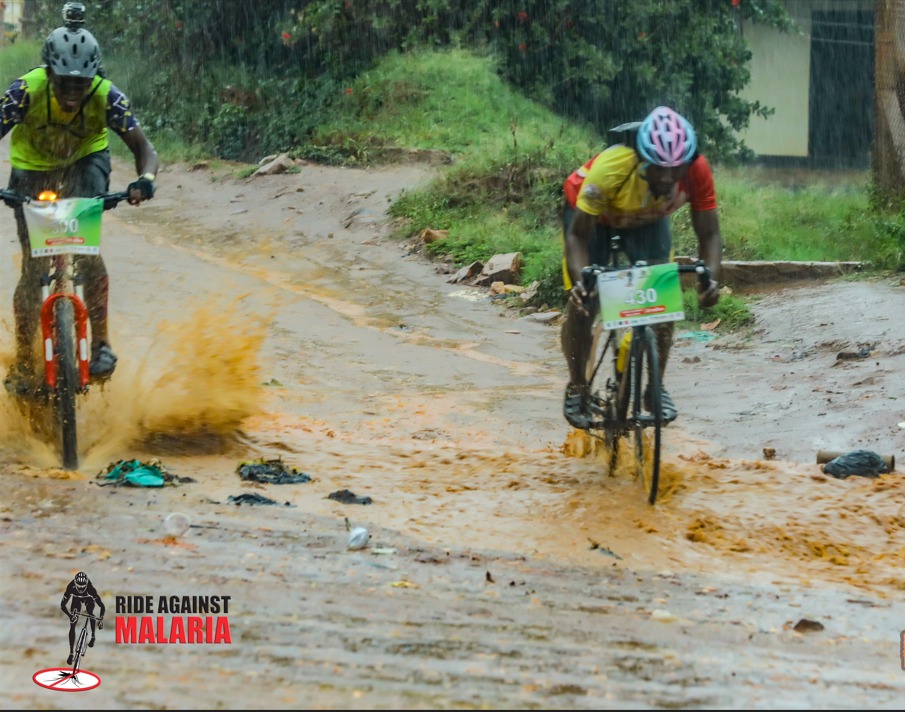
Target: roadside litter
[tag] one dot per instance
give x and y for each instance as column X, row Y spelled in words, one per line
column 347, row 497
column 272, row 472
column 857, row 462
column 138, row 474
column 253, row 498
column 358, row 536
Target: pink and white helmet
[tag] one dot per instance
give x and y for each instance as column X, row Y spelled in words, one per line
column 666, row 139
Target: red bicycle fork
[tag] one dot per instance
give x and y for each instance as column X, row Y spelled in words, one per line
column 81, row 330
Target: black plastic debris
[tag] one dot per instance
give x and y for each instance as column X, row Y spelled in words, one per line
column 253, row 498
column 856, row 462
column 347, row 497
column 271, row 472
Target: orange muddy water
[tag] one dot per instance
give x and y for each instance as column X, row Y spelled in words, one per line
column 274, row 317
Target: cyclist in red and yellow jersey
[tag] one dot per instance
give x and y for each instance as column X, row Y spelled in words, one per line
column 630, row 191
column 59, row 115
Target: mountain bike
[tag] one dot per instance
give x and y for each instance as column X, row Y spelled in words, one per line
column 60, row 228
column 81, row 646
column 625, row 400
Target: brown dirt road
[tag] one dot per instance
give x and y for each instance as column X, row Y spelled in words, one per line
column 277, row 308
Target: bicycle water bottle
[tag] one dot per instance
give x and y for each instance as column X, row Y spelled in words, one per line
column 624, row 348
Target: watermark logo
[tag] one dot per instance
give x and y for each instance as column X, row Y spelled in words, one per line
column 186, row 620
column 85, row 610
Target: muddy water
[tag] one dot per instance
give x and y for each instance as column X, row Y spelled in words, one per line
column 251, row 322
column 336, row 350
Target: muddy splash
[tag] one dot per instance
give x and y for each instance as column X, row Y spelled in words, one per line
column 199, row 379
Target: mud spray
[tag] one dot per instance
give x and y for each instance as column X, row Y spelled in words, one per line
column 190, row 392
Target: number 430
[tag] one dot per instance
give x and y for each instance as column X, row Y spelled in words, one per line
column 641, row 296
column 66, row 226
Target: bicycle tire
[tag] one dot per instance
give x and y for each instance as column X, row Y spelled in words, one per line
column 67, row 385
column 80, row 649
column 646, row 380
column 602, row 392
column 617, row 412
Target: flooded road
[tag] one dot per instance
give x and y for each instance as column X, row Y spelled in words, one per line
column 273, row 318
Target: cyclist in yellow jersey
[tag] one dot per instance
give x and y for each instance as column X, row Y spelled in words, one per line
column 58, row 116
column 630, row 191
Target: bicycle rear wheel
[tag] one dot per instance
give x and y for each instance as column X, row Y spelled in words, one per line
column 646, row 396
column 67, row 386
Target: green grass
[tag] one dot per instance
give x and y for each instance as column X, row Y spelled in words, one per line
column 18, row 58
column 820, row 221
column 452, row 101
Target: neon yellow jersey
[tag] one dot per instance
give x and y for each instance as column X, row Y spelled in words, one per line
column 616, row 189
column 48, row 137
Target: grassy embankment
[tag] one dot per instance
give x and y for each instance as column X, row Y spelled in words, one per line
column 510, row 156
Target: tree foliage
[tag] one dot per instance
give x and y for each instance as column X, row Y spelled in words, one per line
column 601, row 61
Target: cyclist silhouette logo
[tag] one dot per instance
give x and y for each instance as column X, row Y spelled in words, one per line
column 80, row 594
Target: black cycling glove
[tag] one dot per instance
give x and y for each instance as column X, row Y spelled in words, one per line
column 145, row 185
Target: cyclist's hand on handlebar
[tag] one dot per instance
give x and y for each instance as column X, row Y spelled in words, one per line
column 710, row 296
column 580, row 297
column 141, row 190
column 73, row 617
column 100, row 624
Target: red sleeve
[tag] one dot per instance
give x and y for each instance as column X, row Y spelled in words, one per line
column 574, row 181
column 701, row 191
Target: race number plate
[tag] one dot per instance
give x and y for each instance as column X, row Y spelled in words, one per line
column 71, row 225
column 640, row 295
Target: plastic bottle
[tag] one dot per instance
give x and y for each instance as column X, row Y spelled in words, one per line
column 624, row 348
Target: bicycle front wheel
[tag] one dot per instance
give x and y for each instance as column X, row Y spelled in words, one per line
column 647, row 411
column 80, row 649
column 67, row 386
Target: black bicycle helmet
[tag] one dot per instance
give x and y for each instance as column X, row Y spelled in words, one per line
column 81, row 581
column 72, row 53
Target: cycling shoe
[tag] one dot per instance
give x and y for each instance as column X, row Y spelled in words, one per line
column 103, row 361
column 575, row 407
column 19, row 381
column 69, row 659
column 667, row 406
column 91, row 642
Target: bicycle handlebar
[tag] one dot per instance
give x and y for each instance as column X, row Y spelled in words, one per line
column 83, row 613
column 111, row 200
column 589, row 274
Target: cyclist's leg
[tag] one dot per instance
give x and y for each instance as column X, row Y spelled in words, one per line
column 576, row 338
column 89, row 177
column 27, row 297
column 653, row 243
column 73, row 608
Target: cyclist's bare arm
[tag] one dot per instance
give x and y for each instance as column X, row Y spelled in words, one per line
column 145, row 156
column 577, row 247
column 146, row 164
column 706, row 225
column 65, row 610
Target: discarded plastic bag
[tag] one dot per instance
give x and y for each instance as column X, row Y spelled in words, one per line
column 272, row 472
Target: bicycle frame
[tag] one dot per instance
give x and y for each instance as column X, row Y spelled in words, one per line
column 619, row 404
column 81, row 645
column 63, row 282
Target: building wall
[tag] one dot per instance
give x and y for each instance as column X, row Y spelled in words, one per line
column 780, row 79
column 780, row 74
column 14, row 11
